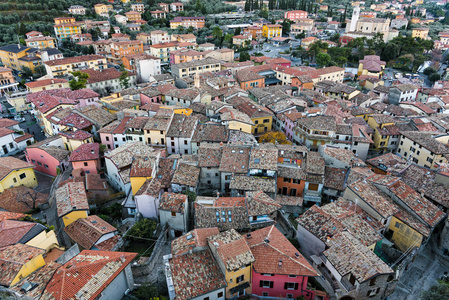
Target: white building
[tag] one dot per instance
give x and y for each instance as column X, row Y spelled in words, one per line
column 173, row 212
column 77, row 10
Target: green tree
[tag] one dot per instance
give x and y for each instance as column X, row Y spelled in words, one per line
column 111, row 31
column 323, row 59
column 244, row 56
column 40, row 71
column 237, row 31
column 124, row 79
column 79, row 80
column 142, row 229
column 27, row 71
column 217, row 32
column 437, row 291
column 434, row 77
column 148, row 292
column 264, row 12
column 428, row 71
column 286, row 27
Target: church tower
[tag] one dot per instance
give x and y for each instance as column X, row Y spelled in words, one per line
column 354, row 19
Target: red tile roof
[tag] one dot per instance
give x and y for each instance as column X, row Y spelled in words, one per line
column 24, row 137
column 6, row 215
column 13, row 258
column 12, row 231
column 86, row 152
column 8, row 199
column 87, row 274
column 45, row 82
column 7, row 122
column 278, row 256
column 79, row 135
column 9, row 164
column 173, row 202
column 193, row 239
column 75, row 120
column 74, row 59
column 5, row 131
column 87, row 232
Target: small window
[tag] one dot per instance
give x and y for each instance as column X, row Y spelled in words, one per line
column 173, row 214
column 39, row 163
column 220, row 294
column 33, row 161
column 86, row 164
column 240, row 278
column 107, row 139
column 14, row 180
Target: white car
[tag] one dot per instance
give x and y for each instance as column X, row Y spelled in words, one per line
column 19, row 119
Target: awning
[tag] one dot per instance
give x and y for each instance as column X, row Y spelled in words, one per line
column 239, row 288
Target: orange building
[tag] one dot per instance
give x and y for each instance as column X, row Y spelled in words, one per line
column 291, row 178
column 64, row 20
column 133, row 16
column 123, row 48
column 302, row 82
column 195, row 22
column 249, row 79
column 254, row 31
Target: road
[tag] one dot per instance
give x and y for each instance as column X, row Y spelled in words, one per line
column 424, row 272
column 30, row 125
column 389, row 72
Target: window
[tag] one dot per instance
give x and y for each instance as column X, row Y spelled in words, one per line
column 264, row 293
column 115, row 139
column 286, row 179
column 372, row 281
column 33, row 161
column 185, row 142
column 240, row 278
column 206, row 298
column 86, row 164
column 429, row 159
column 266, row 120
column 290, row 286
column 124, row 139
column 290, row 296
column 266, row 284
column 39, row 163
column 14, row 180
column 220, row 294
column 173, row 214
column 11, row 145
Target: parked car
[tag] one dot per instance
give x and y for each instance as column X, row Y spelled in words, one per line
column 19, row 119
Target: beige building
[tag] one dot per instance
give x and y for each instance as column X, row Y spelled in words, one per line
column 424, row 148
column 420, row 33
column 159, row 37
column 103, row 9
column 226, row 55
column 195, row 67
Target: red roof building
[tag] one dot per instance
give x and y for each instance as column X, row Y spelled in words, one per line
column 87, row 158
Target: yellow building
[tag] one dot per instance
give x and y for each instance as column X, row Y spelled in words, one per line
column 271, row 31
column 73, row 139
column 15, row 56
column 41, row 42
column 65, row 28
column 261, row 117
column 103, row 9
column 383, row 127
column 422, row 33
column 20, row 261
column 371, row 65
column 404, row 236
column 236, row 120
column 44, row 240
column 234, row 259
column 142, row 169
column 71, row 202
column 15, row 172
column 424, row 149
column 178, row 110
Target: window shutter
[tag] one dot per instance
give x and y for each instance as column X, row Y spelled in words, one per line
column 261, row 283
column 271, row 284
column 285, row 285
column 296, row 285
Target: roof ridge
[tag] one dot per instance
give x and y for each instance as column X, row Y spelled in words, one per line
column 291, row 258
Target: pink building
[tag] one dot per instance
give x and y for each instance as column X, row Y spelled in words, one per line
column 290, row 122
column 47, row 159
column 150, row 96
column 87, row 158
column 294, row 15
column 279, row 270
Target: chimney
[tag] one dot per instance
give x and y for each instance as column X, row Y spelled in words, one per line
column 280, row 263
column 92, row 151
column 52, row 81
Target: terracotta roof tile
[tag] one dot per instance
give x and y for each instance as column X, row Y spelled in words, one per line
column 86, row 152
column 87, row 231
column 195, row 239
column 348, row 255
column 13, row 258
column 6, row 215
column 9, row 164
column 87, row 274
column 186, row 174
column 8, row 199
column 195, row 274
column 278, row 256
column 173, row 202
column 71, row 197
